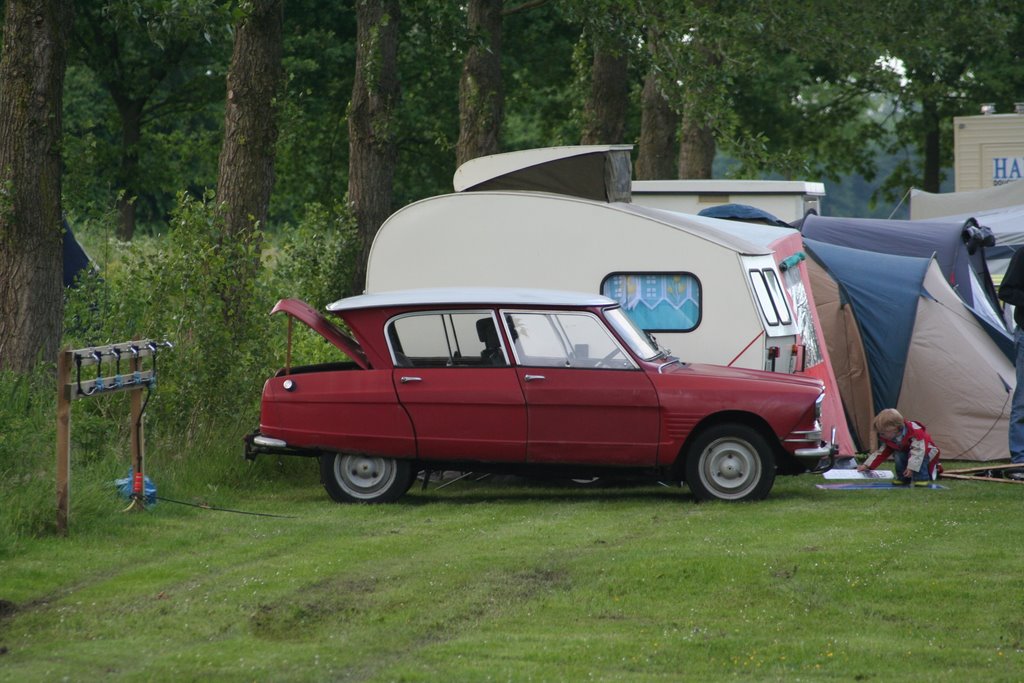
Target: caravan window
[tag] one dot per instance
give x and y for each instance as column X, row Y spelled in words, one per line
column 770, row 297
column 657, row 302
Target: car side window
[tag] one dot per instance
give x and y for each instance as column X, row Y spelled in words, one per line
column 577, row 340
column 446, row 339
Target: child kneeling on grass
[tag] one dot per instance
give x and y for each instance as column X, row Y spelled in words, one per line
column 910, row 445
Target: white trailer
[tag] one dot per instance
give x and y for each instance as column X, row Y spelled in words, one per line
column 706, row 294
column 788, row 200
column 988, row 149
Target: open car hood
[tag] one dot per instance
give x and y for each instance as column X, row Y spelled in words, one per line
column 313, row 319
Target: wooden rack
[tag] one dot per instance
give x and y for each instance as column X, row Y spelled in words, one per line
column 72, row 386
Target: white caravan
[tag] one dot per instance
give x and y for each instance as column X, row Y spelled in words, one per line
column 708, row 295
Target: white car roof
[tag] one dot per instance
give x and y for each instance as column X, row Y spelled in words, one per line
column 513, row 296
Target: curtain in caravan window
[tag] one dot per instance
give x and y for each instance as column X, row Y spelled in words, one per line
column 657, row 302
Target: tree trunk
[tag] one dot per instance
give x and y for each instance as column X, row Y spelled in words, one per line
column 35, row 38
column 371, row 124
column 604, row 113
column 696, row 150
column 481, row 99
column 656, row 159
column 130, row 111
column 245, row 174
column 696, row 137
column 659, row 122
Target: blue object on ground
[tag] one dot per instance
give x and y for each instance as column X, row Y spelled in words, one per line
column 124, row 487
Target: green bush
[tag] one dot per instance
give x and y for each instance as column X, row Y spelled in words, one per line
column 184, row 287
column 314, row 260
column 27, row 452
column 188, row 287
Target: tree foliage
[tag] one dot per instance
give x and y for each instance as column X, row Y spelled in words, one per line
column 162, row 64
column 788, row 87
column 972, row 54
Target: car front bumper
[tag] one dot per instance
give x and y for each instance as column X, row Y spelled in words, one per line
column 819, row 458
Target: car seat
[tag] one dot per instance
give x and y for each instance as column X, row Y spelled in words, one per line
column 488, row 334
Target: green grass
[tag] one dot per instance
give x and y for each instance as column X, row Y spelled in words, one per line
column 498, row 581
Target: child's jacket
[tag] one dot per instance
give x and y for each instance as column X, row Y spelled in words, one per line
column 915, row 441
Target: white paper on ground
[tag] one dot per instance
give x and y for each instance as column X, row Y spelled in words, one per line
column 854, row 474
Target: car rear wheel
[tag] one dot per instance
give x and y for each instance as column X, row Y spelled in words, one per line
column 365, row 479
column 730, row 462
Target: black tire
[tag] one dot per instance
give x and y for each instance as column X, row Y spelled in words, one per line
column 730, row 462
column 364, row 478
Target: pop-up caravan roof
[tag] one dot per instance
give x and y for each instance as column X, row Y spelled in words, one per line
column 938, row 205
column 1000, row 209
column 598, row 172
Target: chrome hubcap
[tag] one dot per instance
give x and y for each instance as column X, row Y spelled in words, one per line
column 362, row 476
column 730, row 467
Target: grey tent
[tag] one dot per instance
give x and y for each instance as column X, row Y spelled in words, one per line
column 965, row 270
column 1007, row 226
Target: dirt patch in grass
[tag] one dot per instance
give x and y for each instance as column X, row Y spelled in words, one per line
column 307, row 610
column 524, row 585
column 7, row 609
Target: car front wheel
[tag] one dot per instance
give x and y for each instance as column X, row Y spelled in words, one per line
column 730, row 462
column 352, row 478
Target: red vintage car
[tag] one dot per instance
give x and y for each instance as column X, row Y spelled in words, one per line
column 526, row 382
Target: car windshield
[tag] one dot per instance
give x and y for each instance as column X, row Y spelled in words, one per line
column 642, row 344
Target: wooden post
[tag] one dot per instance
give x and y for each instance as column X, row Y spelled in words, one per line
column 63, row 440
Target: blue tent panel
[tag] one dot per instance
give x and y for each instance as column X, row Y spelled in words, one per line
column 743, row 212
column 883, row 290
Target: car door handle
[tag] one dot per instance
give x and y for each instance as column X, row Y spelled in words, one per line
column 530, row 378
column 406, row 380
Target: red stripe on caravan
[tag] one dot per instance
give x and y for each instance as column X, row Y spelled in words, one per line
column 759, row 335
